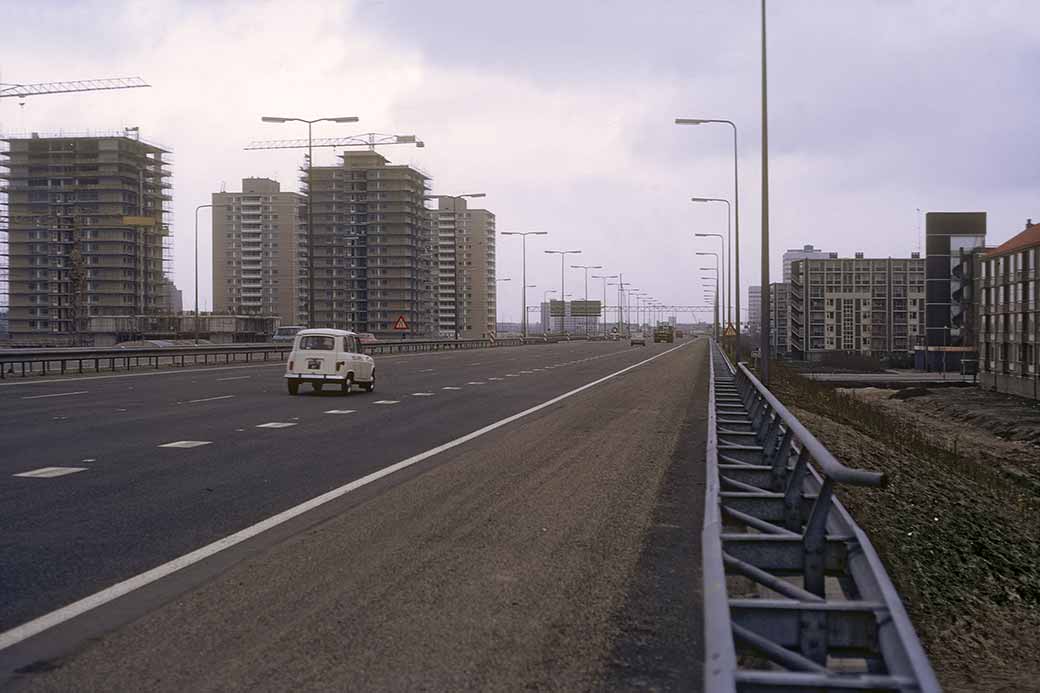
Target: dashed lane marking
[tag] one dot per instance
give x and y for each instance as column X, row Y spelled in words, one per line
column 276, row 424
column 341, row 411
column 50, row 472
column 57, row 394
column 237, row 377
column 387, row 401
column 494, row 378
column 476, row 382
column 422, row 394
column 209, row 399
column 449, row 387
column 186, row 444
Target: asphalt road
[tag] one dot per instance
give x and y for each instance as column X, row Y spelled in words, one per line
column 512, row 558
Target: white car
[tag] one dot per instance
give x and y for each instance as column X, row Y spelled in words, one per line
column 329, row 357
column 637, row 338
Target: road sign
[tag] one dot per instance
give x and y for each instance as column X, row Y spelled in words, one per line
column 401, row 323
column 730, row 331
column 556, row 309
column 589, row 309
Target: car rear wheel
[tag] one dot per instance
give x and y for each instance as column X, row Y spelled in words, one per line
column 294, row 387
column 348, row 383
column 370, row 385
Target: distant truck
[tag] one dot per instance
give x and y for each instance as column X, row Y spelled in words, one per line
column 664, row 333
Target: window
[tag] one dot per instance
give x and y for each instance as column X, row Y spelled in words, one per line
column 316, row 342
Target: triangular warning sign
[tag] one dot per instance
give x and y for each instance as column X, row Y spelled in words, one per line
column 401, row 323
column 730, row 331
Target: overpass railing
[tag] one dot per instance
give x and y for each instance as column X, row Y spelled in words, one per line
column 795, row 596
column 26, row 362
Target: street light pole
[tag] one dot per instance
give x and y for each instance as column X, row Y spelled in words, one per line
column 548, row 311
column 310, row 196
column 523, row 236
column 735, row 246
column 586, row 268
column 716, row 268
column 603, row 308
column 727, row 289
column 763, row 344
column 563, row 257
column 197, row 270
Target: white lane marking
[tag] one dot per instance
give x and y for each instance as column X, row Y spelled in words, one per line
column 236, row 377
column 51, row 472
column 186, row 444
column 527, row 372
column 422, row 394
column 476, row 382
column 89, row 459
column 426, row 370
column 59, row 616
column 387, row 401
column 209, row 399
column 449, row 387
column 512, row 375
column 341, row 411
column 494, row 378
column 57, row 394
column 276, row 424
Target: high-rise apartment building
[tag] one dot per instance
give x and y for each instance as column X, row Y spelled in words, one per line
column 754, row 309
column 1009, row 334
column 88, row 232
column 464, row 279
column 874, row 306
column 256, row 239
column 373, row 248
column 806, row 252
column 778, row 312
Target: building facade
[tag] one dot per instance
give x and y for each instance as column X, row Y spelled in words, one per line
column 755, row 309
column 256, row 242
column 464, row 281
column 373, row 248
column 778, row 324
column 806, row 252
column 1009, row 335
column 952, row 241
column 88, row 232
column 872, row 306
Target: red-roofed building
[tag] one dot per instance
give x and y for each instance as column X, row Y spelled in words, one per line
column 1010, row 312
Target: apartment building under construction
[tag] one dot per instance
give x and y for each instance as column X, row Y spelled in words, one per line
column 88, row 232
column 373, row 248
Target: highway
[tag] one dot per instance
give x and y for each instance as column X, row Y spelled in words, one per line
column 522, row 539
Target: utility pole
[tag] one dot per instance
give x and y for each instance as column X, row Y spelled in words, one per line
column 763, row 338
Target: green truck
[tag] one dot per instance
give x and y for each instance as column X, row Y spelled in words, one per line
column 664, row 333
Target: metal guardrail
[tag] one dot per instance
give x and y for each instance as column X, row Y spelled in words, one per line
column 26, row 362
column 795, row 596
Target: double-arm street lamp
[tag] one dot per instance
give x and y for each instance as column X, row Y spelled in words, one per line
column 563, row 270
column 523, row 236
column 310, row 196
column 603, row 308
column 735, row 246
column 586, row 268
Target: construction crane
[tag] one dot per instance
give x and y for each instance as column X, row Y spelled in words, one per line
column 23, row 90
column 368, row 139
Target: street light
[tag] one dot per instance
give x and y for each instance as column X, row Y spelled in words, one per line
column 455, row 246
column 722, row 271
column 310, row 196
column 197, row 265
column 728, row 290
column 563, row 257
column 735, row 246
column 523, row 235
column 586, row 268
column 603, row 308
column 716, row 268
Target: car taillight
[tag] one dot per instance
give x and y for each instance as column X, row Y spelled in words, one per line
column 290, row 365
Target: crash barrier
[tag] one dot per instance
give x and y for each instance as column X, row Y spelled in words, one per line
column 26, row 362
column 795, row 596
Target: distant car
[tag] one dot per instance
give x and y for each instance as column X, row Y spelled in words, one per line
column 367, row 338
column 329, row 357
column 639, row 339
column 286, row 333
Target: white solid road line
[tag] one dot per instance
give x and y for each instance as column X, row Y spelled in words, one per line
column 209, row 399
column 50, row 472
column 57, row 394
column 59, row 616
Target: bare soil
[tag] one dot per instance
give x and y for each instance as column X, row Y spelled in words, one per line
column 957, row 526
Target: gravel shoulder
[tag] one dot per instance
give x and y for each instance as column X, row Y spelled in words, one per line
column 508, row 565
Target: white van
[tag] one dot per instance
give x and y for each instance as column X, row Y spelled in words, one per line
column 329, row 357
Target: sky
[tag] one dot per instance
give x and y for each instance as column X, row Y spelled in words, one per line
column 562, row 113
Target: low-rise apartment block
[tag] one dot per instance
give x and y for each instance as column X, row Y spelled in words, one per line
column 872, row 306
column 1010, row 309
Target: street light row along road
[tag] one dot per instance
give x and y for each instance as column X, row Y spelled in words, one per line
column 137, row 504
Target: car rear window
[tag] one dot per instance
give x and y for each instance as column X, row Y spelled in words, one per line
column 315, row 342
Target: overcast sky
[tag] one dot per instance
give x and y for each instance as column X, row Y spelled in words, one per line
column 562, row 113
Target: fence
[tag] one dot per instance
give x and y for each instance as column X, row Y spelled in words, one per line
column 26, row 362
column 795, row 597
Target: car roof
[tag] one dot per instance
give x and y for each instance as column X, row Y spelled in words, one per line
column 326, row 331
